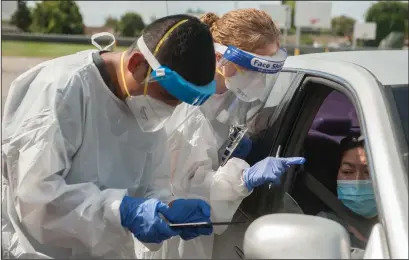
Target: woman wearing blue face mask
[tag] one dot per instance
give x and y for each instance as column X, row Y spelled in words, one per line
column 354, row 189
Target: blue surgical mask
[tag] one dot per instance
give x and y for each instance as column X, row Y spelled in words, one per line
column 358, row 196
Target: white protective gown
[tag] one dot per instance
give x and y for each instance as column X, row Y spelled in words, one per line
column 195, row 174
column 71, row 150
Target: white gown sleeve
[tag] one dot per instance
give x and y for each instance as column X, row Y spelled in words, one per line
column 193, row 156
column 42, row 134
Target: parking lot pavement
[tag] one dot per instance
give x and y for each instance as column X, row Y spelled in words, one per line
column 11, row 68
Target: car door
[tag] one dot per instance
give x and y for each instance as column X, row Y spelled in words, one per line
column 290, row 125
column 297, row 107
column 229, row 244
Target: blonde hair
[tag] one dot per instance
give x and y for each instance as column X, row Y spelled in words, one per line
column 246, row 29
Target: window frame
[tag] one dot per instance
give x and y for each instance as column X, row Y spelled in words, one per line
column 398, row 130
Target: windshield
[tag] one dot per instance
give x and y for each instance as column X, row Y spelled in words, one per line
column 400, row 101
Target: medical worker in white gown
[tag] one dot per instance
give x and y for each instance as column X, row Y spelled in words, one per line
column 207, row 138
column 85, row 168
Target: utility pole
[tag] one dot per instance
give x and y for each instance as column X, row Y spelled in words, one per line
column 236, row 5
column 167, row 8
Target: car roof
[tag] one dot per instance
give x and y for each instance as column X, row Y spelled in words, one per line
column 390, row 67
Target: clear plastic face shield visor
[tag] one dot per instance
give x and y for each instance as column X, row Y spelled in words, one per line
column 171, row 81
column 168, row 79
column 152, row 113
column 249, row 79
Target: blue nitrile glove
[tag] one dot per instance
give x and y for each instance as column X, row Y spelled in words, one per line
column 189, row 211
column 243, row 148
column 141, row 217
column 268, row 170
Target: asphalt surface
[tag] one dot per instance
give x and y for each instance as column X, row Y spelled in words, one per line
column 11, row 68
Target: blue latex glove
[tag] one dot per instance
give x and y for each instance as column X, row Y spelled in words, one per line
column 268, row 170
column 243, row 148
column 188, row 211
column 141, row 217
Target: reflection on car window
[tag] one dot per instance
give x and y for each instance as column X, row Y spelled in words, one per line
column 400, row 94
column 281, row 85
column 290, row 205
column 400, row 101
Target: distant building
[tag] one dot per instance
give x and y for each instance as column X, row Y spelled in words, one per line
column 7, row 9
column 92, row 30
column 198, row 15
column 9, row 28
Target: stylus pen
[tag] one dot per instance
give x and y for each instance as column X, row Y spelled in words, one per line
column 198, row 224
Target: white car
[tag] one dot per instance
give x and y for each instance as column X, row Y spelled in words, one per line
column 316, row 101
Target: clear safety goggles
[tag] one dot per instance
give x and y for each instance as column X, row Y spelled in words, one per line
column 172, row 82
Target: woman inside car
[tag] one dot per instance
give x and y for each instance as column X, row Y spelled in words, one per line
column 355, row 190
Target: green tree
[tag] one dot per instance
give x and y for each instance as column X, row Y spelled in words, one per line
column 22, row 16
column 60, row 17
column 343, row 25
column 112, row 22
column 131, row 24
column 389, row 16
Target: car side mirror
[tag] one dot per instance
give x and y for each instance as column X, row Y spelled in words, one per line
column 279, row 236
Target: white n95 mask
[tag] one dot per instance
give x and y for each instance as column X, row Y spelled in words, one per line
column 247, row 86
column 151, row 114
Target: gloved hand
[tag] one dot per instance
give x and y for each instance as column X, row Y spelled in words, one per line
column 243, row 148
column 188, row 211
column 141, row 217
column 268, row 170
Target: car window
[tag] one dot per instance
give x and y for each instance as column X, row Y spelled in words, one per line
column 281, row 86
column 401, row 99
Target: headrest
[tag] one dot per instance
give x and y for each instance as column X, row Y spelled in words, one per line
column 332, row 126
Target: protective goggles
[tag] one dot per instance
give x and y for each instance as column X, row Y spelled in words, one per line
column 248, row 75
column 172, row 82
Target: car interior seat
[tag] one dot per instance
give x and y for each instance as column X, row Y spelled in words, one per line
column 322, row 154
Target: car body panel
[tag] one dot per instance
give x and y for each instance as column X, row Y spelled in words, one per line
column 360, row 75
column 389, row 66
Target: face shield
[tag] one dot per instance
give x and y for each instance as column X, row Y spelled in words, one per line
column 249, row 79
column 150, row 113
column 172, row 82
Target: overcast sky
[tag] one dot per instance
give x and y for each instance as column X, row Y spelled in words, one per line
column 95, row 12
